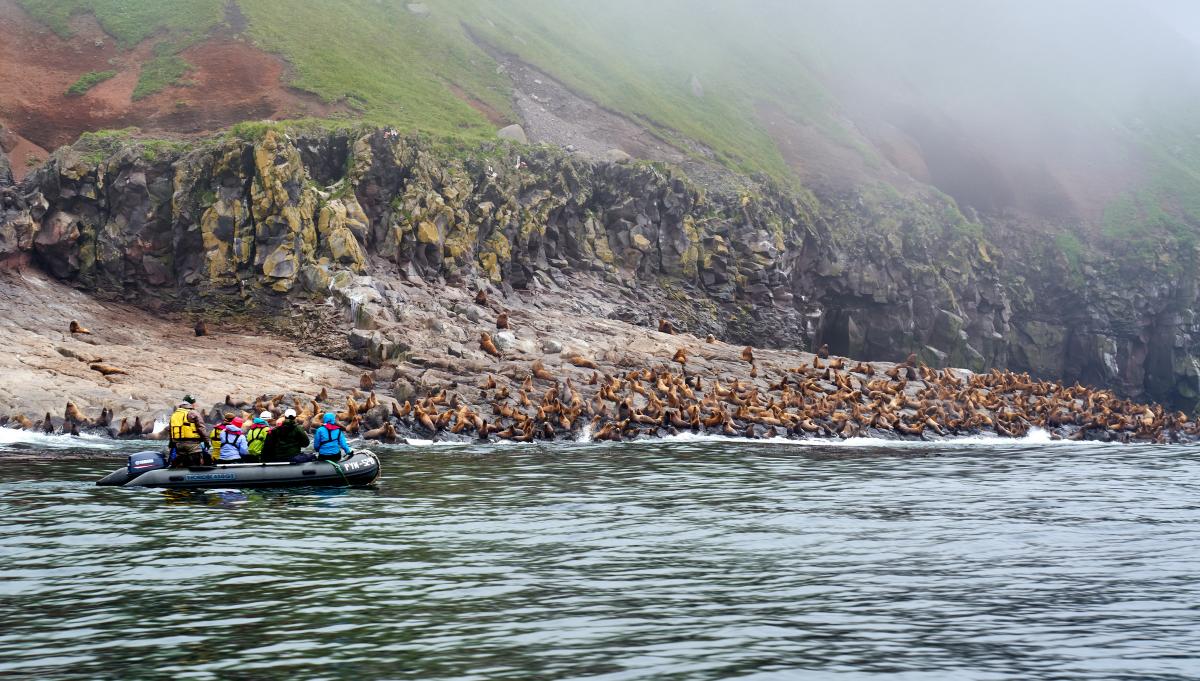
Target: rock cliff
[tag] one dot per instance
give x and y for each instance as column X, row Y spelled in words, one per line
column 300, row 230
column 6, row 177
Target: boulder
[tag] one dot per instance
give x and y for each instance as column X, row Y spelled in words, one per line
column 341, row 226
column 403, row 390
column 617, row 156
column 513, row 132
column 16, row 234
column 373, row 348
column 55, row 244
column 505, row 340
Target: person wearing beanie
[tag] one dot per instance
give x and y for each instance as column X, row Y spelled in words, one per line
column 187, row 436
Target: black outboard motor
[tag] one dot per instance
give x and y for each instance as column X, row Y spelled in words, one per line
column 142, row 462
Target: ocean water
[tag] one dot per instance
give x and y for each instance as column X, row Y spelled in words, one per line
column 685, row 559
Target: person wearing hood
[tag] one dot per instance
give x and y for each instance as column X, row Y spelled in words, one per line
column 330, row 440
column 256, row 436
column 233, row 443
column 285, row 440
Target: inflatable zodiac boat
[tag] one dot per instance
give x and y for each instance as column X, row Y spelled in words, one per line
column 147, row 469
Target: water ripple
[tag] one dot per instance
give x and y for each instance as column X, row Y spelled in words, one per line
column 681, row 560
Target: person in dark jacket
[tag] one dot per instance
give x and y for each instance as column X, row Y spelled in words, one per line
column 286, row 440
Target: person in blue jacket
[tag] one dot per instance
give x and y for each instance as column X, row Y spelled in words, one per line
column 233, row 443
column 330, row 440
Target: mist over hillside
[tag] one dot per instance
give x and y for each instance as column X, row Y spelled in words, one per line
column 1050, row 109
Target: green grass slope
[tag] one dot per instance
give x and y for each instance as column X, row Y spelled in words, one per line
column 395, row 66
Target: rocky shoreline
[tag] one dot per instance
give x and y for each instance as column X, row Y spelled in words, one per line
column 536, row 379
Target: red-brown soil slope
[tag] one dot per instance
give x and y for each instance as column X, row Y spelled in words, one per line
column 232, row 81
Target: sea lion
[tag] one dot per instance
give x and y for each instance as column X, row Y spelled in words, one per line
column 666, row 327
column 426, row 422
column 77, row 328
column 323, row 396
column 823, row 351
column 22, row 421
column 201, row 328
column 386, row 433
column 748, row 354
column 582, row 362
column 502, row 320
column 481, row 297
column 710, row 339
column 73, row 415
column 540, row 371
column 680, row 356
column 487, row 345
column 107, row 369
column 365, row 382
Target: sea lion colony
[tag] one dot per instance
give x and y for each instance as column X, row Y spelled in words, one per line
column 826, row 398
